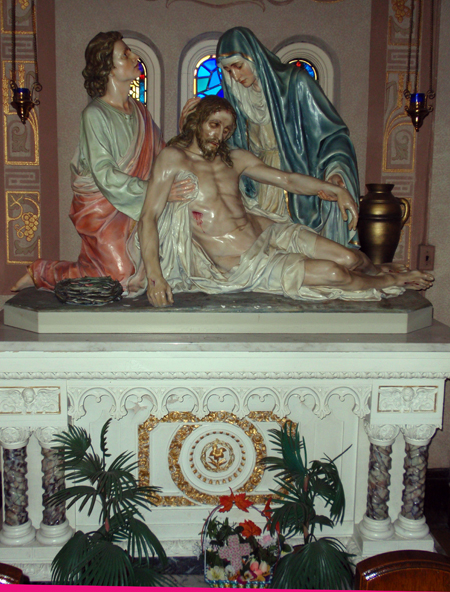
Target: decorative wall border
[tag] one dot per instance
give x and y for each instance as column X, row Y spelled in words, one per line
column 217, row 375
column 21, row 161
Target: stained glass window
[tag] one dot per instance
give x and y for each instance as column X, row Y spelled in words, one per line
column 138, row 88
column 207, row 77
column 307, row 65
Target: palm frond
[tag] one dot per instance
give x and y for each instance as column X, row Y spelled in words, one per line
column 94, row 558
column 319, row 564
column 143, row 543
column 293, row 462
column 75, row 493
column 65, row 565
column 72, row 444
column 149, row 576
column 103, row 442
column 106, row 564
column 327, row 484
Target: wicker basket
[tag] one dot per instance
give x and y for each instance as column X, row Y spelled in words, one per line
column 217, row 583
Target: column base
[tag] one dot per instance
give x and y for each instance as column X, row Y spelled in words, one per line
column 411, row 529
column 17, row 536
column 57, row 534
column 376, row 529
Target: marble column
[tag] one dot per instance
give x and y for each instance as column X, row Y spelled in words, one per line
column 17, row 529
column 376, row 523
column 411, row 522
column 54, row 528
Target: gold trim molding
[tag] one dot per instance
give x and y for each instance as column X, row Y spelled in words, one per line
column 189, row 496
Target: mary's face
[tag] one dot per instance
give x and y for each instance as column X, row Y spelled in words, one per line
column 241, row 72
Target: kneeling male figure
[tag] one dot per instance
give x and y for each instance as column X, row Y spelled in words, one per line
column 242, row 248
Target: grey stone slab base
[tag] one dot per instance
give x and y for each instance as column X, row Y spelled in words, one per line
column 41, row 312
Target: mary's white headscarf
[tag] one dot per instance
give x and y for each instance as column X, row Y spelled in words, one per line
column 252, row 102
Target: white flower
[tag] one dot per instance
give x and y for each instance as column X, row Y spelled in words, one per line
column 216, row 573
column 229, row 571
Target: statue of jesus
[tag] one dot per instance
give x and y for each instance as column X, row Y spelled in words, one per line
column 216, row 243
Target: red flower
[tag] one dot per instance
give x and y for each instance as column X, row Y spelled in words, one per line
column 242, row 502
column 226, row 502
column 250, row 529
column 267, row 512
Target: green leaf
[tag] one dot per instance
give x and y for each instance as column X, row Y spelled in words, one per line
column 293, row 462
column 149, row 576
column 103, row 446
column 142, row 542
column 95, row 558
column 72, row 444
column 106, row 564
column 66, row 563
column 319, row 564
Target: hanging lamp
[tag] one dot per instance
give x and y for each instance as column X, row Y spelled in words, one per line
column 23, row 98
column 418, row 107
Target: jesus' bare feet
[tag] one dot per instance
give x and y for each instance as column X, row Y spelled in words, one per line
column 24, row 282
column 414, row 280
column 391, row 267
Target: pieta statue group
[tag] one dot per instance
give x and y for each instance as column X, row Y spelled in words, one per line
column 258, row 192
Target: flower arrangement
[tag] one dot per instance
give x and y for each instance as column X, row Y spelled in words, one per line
column 239, row 555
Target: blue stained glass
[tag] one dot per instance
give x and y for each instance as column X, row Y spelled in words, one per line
column 202, row 72
column 202, row 84
column 215, row 79
column 310, row 68
column 207, row 78
column 211, row 64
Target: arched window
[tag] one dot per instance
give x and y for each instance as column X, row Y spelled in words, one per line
column 207, row 78
column 307, row 65
column 148, row 88
column 199, row 73
column 308, row 53
column 191, row 65
column 138, row 88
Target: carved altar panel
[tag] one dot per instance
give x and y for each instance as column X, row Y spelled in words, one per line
column 35, row 404
column 411, row 402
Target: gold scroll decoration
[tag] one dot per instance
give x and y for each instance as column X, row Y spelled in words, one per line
column 24, row 23
column 23, row 213
column 216, row 453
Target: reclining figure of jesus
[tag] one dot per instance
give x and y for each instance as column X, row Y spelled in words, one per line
column 216, row 242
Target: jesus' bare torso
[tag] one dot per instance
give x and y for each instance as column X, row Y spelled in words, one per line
column 219, row 222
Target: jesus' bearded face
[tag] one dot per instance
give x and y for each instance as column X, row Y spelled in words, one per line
column 213, row 132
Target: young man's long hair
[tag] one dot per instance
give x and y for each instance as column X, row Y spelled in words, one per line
column 99, row 62
column 197, row 117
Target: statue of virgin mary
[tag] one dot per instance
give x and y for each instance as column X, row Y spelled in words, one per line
column 285, row 119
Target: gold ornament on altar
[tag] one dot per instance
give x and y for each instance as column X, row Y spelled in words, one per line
column 191, row 494
column 217, row 456
column 418, row 107
column 23, row 98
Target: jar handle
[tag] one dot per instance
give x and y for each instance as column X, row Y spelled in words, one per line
column 407, row 209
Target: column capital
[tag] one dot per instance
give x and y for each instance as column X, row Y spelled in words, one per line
column 14, row 437
column 418, row 435
column 381, row 435
column 45, row 436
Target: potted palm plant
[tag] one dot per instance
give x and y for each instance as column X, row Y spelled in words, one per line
column 320, row 562
column 123, row 550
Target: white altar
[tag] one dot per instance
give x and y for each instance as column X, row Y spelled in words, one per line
column 174, row 397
